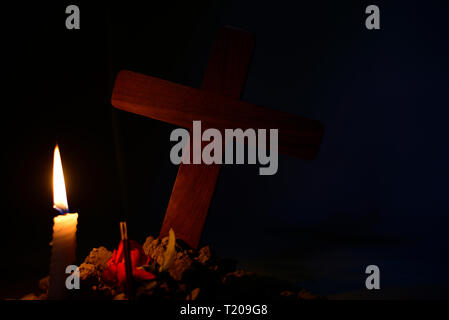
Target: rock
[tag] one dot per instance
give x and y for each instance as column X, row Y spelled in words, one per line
column 147, row 245
column 44, row 284
column 120, row 296
column 155, row 249
column 164, row 241
column 182, row 263
column 99, row 258
column 146, row 289
column 106, row 290
column 89, row 271
column 193, row 295
column 204, row 255
column 238, row 274
column 305, row 295
column 94, row 264
column 30, row 296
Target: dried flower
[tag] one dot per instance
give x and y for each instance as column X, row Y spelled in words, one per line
column 116, row 271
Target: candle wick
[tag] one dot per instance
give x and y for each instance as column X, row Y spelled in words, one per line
column 61, row 211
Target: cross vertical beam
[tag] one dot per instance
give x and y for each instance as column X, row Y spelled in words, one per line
column 194, row 185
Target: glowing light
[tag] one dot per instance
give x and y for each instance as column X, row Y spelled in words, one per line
column 59, row 193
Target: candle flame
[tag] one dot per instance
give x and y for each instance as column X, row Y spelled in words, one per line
column 59, row 193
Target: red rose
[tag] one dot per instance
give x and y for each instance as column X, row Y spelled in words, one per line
column 116, row 271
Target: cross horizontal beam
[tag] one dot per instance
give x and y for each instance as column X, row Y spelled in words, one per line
column 181, row 105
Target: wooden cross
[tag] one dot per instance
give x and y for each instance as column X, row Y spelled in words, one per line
column 216, row 104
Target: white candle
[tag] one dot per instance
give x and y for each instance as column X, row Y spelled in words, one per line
column 63, row 251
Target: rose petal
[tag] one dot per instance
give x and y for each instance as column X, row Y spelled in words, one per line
column 116, row 271
column 141, row 274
